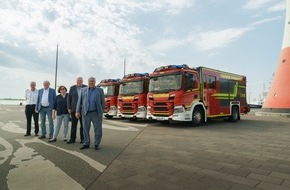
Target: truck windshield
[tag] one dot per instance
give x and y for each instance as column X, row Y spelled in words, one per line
column 132, row 87
column 165, row 83
column 108, row 90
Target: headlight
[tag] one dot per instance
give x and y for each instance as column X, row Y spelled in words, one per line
column 148, row 109
column 178, row 110
column 113, row 108
column 141, row 109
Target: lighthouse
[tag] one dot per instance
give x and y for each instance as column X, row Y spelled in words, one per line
column 278, row 98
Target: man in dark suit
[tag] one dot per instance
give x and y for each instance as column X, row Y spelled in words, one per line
column 90, row 106
column 45, row 102
column 72, row 101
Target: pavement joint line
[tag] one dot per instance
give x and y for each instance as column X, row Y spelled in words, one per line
column 116, row 158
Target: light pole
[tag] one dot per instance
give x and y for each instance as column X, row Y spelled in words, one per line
column 124, row 66
column 56, row 62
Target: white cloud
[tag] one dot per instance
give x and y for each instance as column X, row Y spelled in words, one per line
column 265, row 21
column 278, row 7
column 90, row 30
column 167, row 44
column 203, row 40
column 94, row 33
column 171, row 7
column 219, row 38
column 208, row 40
column 176, row 6
column 256, row 4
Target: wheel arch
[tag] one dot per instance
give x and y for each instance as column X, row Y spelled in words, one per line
column 201, row 106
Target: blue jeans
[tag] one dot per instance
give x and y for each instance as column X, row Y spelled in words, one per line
column 97, row 123
column 43, row 112
column 59, row 118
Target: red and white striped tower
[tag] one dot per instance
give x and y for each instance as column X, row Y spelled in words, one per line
column 278, row 98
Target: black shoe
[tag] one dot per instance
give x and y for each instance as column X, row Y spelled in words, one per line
column 52, row 140
column 82, row 141
column 70, row 142
column 97, row 147
column 50, row 136
column 26, row 135
column 42, row 137
column 84, row 147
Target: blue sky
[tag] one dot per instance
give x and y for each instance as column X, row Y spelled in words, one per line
column 94, row 37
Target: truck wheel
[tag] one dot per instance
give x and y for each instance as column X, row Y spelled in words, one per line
column 133, row 119
column 235, row 114
column 197, row 116
column 109, row 116
column 166, row 122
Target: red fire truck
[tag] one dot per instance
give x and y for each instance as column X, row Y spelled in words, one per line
column 111, row 92
column 132, row 99
column 181, row 93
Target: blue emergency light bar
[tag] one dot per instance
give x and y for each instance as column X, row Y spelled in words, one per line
column 162, row 68
column 136, row 75
column 110, row 80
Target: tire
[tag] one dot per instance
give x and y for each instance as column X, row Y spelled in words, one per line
column 133, row 119
column 197, row 117
column 109, row 116
column 235, row 114
column 166, row 122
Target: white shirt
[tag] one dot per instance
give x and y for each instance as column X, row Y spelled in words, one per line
column 44, row 100
column 31, row 96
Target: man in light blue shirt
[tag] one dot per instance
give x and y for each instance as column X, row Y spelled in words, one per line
column 90, row 106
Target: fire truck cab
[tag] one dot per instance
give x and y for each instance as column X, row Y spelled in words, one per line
column 132, row 99
column 111, row 92
column 181, row 93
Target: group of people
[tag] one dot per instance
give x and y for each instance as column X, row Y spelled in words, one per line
column 82, row 103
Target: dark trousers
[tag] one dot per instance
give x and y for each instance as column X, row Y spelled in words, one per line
column 74, row 123
column 29, row 112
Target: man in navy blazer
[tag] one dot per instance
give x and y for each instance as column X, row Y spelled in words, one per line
column 90, row 106
column 44, row 106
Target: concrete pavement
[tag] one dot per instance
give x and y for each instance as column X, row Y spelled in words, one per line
column 253, row 153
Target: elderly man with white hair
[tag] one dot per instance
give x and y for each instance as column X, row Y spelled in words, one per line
column 72, row 101
column 44, row 106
